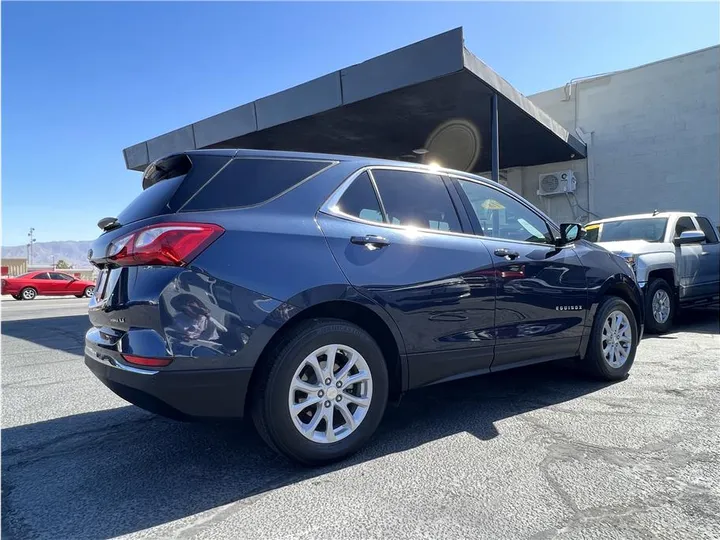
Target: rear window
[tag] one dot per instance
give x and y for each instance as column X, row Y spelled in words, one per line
column 150, row 202
column 247, row 182
column 416, row 199
column 359, row 200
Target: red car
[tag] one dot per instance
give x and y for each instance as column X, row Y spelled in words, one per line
column 28, row 286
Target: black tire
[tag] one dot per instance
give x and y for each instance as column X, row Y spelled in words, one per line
column 594, row 361
column 269, row 405
column 28, row 293
column 88, row 292
column 652, row 325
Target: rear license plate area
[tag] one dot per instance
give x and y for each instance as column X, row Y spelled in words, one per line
column 107, row 280
column 100, row 285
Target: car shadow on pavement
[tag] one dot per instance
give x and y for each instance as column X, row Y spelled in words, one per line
column 700, row 321
column 697, row 321
column 118, row 471
column 61, row 333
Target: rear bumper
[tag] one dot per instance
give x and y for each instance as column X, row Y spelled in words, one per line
column 182, row 395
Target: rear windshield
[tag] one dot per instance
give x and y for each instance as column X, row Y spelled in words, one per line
column 250, row 181
column 648, row 229
column 151, row 202
column 160, row 181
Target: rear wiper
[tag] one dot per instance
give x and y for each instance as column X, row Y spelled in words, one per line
column 109, row 223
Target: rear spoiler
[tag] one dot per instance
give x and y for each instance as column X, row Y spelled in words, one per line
column 166, row 168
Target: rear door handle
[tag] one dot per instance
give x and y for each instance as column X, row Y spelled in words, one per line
column 506, row 253
column 370, row 240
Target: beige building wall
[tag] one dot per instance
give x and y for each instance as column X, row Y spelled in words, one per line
column 653, row 136
column 14, row 266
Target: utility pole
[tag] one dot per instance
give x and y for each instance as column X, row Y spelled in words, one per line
column 31, row 241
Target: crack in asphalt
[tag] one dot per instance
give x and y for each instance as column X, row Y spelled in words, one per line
column 564, row 449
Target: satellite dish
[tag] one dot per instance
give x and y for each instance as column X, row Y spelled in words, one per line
column 455, row 144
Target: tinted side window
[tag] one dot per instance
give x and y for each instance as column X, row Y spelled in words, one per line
column 684, row 224
column 416, row 199
column 501, row 216
column 41, row 276
column 359, row 200
column 707, row 228
column 57, row 275
column 246, row 182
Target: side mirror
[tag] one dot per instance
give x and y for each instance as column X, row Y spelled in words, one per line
column 689, row 237
column 570, row 232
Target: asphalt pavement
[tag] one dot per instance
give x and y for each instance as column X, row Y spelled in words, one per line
column 536, row 453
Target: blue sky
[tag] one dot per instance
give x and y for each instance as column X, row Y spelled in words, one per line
column 82, row 81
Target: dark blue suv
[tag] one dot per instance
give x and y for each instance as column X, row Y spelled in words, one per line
column 306, row 290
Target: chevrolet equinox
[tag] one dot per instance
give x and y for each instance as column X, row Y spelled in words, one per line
column 306, row 290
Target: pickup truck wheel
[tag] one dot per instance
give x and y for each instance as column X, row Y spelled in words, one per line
column 613, row 341
column 659, row 306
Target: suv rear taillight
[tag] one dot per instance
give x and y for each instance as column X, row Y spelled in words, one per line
column 165, row 244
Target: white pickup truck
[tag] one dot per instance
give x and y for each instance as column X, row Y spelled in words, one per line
column 675, row 256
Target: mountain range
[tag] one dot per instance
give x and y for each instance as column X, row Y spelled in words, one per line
column 73, row 252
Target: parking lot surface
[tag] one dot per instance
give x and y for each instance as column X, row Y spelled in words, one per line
column 537, row 453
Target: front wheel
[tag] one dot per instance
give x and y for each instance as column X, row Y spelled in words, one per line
column 659, row 306
column 88, row 292
column 613, row 341
column 323, row 393
column 28, row 293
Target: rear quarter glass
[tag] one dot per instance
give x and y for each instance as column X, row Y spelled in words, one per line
column 251, row 181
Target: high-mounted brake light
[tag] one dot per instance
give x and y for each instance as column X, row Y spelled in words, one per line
column 165, row 244
column 148, row 362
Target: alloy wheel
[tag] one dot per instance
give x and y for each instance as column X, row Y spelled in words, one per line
column 616, row 340
column 28, row 294
column 330, row 393
column 661, row 306
column 89, row 292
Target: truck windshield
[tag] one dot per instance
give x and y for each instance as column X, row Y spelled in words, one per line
column 648, row 229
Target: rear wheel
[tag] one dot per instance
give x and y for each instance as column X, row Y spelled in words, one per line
column 28, row 293
column 613, row 341
column 323, row 393
column 659, row 306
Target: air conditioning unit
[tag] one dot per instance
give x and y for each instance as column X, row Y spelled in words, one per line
column 556, row 183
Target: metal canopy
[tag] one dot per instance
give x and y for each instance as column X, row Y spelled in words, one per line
column 387, row 107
